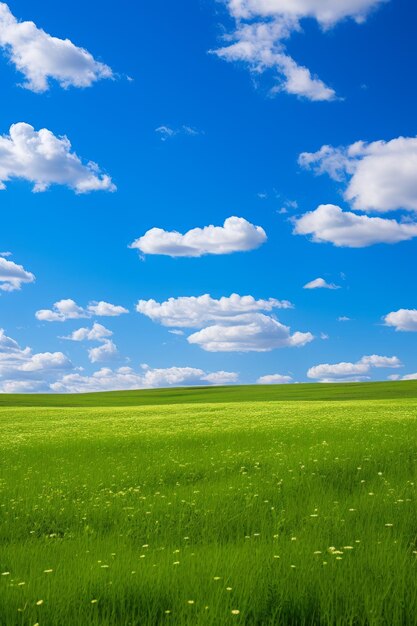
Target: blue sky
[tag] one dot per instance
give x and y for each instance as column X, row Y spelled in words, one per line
column 191, row 137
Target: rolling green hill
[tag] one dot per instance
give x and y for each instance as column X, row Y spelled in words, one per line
column 250, row 393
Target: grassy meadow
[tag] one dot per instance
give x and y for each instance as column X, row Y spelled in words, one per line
column 259, row 506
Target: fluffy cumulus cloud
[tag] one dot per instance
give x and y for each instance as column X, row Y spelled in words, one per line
column 320, row 283
column 410, row 377
column 21, row 370
column 251, row 333
column 40, row 57
column 221, row 378
column 406, row 377
column 360, row 370
column 44, row 159
column 330, row 224
column 13, row 276
column 67, row 309
column 402, row 320
column 107, row 351
column 230, row 324
column 97, row 332
column 326, row 12
column 236, row 235
column 45, row 361
column 107, row 379
column 274, row 379
column 262, row 28
column 380, row 176
column 196, row 311
column 62, row 310
column 106, row 309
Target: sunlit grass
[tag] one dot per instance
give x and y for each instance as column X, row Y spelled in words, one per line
column 251, row 513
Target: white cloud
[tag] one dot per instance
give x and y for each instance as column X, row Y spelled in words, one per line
column 260, row 45
column 41, row 57
column 97, row 332
column 170, row 376
column 62, row 310
column 7, row 344
column 194, row 312
column 329, row 224
column 229, row 324
column 166, row 132
column 381, row 361
column 68, row 309
column 13, row 276
column 22, row 386
column 381, row 176
column 45, row 361
column 395, row 377
column 320, row 283
column 44, row 159
column 106, row 352
column 21, row 370
column 402, row 320
column 193, row 132
column 343, row 318
column 105, row 309
column 106, row 379
column 352, row 371
column 263, row 26
column 326, row 12
column 222, row 378
column 274, row 379
column 252, row 333
column 410, row 377
column 236, row 235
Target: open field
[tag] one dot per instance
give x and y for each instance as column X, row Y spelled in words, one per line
column 311, row 392
column 293, row 506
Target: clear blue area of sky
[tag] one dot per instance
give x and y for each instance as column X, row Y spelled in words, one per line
column 77, row 245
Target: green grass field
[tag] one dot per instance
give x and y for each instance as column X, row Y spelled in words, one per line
column 251, row 505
